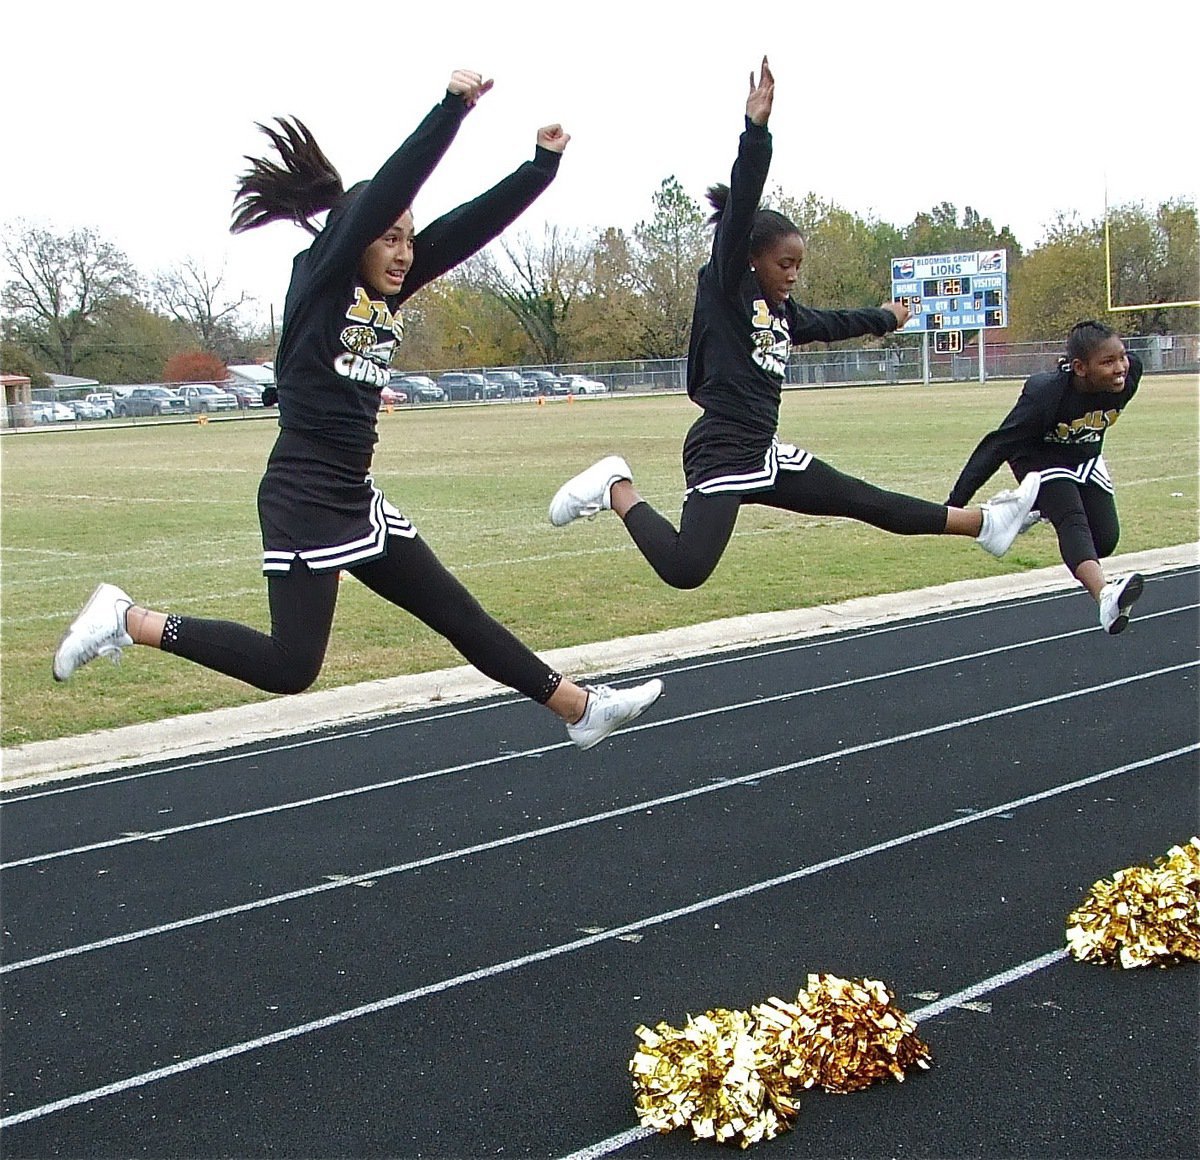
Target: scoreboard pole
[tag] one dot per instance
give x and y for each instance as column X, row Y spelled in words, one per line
column 925, row 357
column 982, row 367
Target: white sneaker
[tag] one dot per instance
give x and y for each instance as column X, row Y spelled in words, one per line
column 608, row 709
column 98, row 631
column 589, row 492
column 1005, row 515
column 1116, row 599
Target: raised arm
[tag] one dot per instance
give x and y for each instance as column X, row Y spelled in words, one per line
column 731, row 244
column 810, row 325
column 452, row 238
column 390, row 192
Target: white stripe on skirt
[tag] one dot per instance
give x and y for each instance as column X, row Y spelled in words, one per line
column 779, row 457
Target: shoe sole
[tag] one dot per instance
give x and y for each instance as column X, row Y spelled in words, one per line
column 1127, row 599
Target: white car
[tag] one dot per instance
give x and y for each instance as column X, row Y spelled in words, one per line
column 582, row 385
column 205, row 397
column 103, row 400
column 51, row 413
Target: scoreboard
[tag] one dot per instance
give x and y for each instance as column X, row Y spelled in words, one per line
column 953, row 292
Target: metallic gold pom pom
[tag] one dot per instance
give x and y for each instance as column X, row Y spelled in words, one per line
column 840, row 1034
column 713, row 1075
column 1143, row 915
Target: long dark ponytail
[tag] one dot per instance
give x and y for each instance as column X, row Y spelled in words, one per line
column 303, row 185
column 769, row 225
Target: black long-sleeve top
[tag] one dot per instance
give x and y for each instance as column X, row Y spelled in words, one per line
column 739, row 343
column 338, row 335
column 1053, row 424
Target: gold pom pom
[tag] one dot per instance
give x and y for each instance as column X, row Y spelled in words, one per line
column 840, row 1034
column 713, row 1075
column 1143, row 915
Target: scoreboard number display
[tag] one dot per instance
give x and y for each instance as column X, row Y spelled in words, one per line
column 950, row 293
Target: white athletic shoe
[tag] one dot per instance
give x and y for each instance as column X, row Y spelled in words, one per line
column 608, row 709
column 589, row 492
column 1006, row 515
column 98, row 631
column 1116, row 599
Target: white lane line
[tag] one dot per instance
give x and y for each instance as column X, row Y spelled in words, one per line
column 169, row 831
column 281, row 1036
column 530, row 835
column 758, row 702
column 848, row 636
column 983, row 987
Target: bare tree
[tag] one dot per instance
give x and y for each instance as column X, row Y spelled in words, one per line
column 193, row 296
column 59, row 285
column 538, row 285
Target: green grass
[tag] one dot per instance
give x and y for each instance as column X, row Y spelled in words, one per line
column 168, row 512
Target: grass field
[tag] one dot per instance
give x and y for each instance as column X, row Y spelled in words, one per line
column 168, row 512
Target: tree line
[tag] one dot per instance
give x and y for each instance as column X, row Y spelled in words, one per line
column 73, row 303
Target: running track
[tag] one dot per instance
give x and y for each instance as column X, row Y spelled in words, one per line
column 433, row 935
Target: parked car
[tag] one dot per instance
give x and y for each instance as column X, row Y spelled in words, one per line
column 511, row 384
column 246, row 395
column 582, row 385
column 392, row 396
column 205, row 397
column 82, row 409
column 419, row 388
column 545, row 383
column 150, row 401
column 103, row 400
column 41, row 412
column 468, row 385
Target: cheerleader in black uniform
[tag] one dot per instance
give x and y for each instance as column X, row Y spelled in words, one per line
column 319, row 509
column 1057, row 430
column 743, row 328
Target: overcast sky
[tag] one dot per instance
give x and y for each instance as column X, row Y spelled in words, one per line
column 133, row 117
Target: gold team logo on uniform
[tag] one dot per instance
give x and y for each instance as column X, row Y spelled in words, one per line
column 771, row 339
column 1086, row 429
column 368, row 353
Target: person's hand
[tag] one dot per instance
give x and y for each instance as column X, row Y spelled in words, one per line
column 553, row 137
column 902, row 313
column 762, row 93
column 468, row 85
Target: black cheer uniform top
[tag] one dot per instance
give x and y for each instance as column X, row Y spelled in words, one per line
column 317, row 501
column 1055, row 429
column 739, row 345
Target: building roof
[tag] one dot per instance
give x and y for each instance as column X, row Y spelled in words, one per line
column 65, row 381
column 260, row 376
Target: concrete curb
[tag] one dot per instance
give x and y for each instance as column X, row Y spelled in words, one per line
column 181, row 737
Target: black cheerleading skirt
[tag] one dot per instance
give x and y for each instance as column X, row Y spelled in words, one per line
column 319, row 504
column 721, row 456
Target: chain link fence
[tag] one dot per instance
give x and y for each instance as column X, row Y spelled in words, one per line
column 808, row 368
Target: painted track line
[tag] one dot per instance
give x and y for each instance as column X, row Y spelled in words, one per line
column 538, row 751
column 131, row 746
column 932, row 1011
column 232, row 1050
column 560, row 827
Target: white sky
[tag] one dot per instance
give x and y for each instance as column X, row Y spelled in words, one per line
column 132, row 117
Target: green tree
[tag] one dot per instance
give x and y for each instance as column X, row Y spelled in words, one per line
column 16, row 360
column 538, row 284
column 129, row 343
column 667, row 252
column 1059, row 282
column 1153, row 257
column 606, row 322
column 59, row 287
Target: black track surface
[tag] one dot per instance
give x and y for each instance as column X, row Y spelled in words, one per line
column 516, row 908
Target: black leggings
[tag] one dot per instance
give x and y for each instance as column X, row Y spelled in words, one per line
column 686, row 558
column 1085, row 518
column 302, row 603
